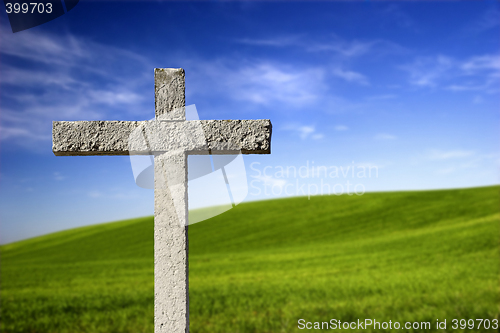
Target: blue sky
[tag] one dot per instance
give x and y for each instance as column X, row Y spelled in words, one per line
column 409, row 88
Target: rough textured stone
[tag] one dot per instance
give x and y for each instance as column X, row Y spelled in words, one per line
column 171, row 225
column 171, row 244
column 73, row 138
column 171, row 139
column 170, row 94
column 112, row 137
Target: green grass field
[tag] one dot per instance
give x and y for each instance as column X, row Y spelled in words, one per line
column 401, row 256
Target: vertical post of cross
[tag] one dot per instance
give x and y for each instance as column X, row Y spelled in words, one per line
column 171, row 313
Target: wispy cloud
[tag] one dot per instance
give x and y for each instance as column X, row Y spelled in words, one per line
column 350, row 76
column 259, row 82
column 480, row 63
column 277, row 85
column 267, row 82
column 333, row 43
column 116, row 194
column 95, row 194
column 341, row 128
column 385, row 136
column 58, row 176
column 70, row 78
column 436, row 154
column 394, row 12
column 488, row 20
column 349, row 49
column 10, row 132
column 446, row 171
column 478, row 73
column 428, row 71
column 477, row 100
column 381, row 97
column 280, row 41
column 459, row 160
column 271, row 181
column 305, row 131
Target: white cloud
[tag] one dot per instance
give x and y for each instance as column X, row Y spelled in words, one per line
column 354, row 48
column 469, row 87
column 340, row 47
column 344, row 48
column 484, row 62
column 305, row 131
column 341, row 128
column 401, row 18
column 488, row 20
column 350, row 76
column 23, row 133
column 460, row 160
column 114, row 97
column 381, row 97
column 95, row 194
column 477, row 100
column 88, row 83
column 276, row 41
column 267, row 82
column 70, row 78
column 269, row 180
column 37, row 77
column 42, row 47
column 446, row 171
column 279, row 86
column 259, row 82
column 58, row 176
column 384, row 136
column 428, row 71
column 117, row 194
column 478, row 73
column 450, row 154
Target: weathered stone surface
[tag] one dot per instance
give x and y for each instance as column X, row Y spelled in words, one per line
column 112, row 137
column 171, row 313
column 73, row 138
column 171, row 244
column 171, row 139
column 170, row 94
column 251, row 136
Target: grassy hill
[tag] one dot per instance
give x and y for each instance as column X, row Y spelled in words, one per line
column 401, row 256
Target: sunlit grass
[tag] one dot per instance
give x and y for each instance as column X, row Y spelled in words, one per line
column 402, row 256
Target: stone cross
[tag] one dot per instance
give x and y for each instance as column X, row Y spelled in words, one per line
column 170, row 150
